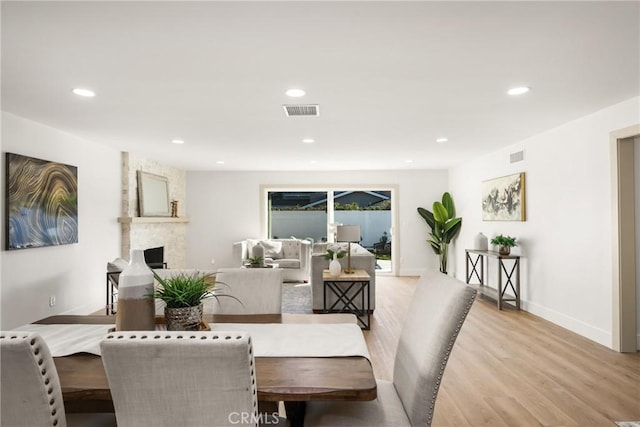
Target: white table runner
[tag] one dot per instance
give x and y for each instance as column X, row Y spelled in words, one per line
column 269, row 340
column 300, row 340
column 64, row 340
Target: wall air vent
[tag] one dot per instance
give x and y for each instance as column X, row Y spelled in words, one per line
column 302, row 110
column 518, row 156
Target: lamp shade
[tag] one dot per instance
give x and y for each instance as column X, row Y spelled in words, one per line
column 348, row 233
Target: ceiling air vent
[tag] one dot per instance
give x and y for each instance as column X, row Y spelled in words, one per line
column 518, row 156
column 302, row 110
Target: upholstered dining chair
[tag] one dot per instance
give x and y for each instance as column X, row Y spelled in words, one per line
column 30, row 387
column 186, row 379
column 435, row 316
column 258, row 289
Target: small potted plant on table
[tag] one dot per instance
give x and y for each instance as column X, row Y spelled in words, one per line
column 183, row 295
column 255, row 262
column 504, row 243
column 334, row 265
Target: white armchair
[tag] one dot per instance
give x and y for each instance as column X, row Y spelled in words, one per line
column 291, row 255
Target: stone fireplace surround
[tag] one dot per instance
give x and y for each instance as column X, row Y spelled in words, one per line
column 148, row 232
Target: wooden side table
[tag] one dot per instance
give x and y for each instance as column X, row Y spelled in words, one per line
column 512, row 275
column 346, row 288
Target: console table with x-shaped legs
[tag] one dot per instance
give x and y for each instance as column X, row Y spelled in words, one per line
column 510, row 271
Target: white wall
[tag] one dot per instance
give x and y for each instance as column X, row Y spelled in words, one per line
column 75, row 274
column 566, row 241
column 636, row 167
column 224, row 207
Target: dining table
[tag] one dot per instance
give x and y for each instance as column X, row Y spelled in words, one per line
column 292, row 380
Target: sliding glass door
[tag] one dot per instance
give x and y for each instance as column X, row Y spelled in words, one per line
column 371, row 210
column 300, row 214
column 313, row 215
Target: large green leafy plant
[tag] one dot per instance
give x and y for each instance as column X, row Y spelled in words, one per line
column 444, row 227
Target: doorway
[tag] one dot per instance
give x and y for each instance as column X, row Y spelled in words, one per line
column 624, row 295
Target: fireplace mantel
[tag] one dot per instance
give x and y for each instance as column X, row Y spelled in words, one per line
column 151, row 220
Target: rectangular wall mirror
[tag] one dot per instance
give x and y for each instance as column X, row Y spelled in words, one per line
column 153, row 195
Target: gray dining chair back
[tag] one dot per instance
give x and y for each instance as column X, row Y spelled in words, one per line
column 186, row 379
column 30, row 387
column 437, row 311
column 259, row 291
column 435, row 316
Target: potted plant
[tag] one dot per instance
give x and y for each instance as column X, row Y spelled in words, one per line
column 183, row 295
column 444, row 227
column 256, row 262
column 504, row 243
column 334, row 265
column 339, row 253
column 383, row 246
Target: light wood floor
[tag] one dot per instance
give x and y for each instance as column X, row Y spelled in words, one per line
column 511, row 368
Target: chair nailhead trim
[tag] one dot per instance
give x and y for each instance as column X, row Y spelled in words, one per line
column 35, row 349
column 446, row 357
column 209, row 336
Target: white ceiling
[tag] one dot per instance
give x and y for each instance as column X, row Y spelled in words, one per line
column 390, row 77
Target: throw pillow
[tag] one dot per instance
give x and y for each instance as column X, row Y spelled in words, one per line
column 272, row 249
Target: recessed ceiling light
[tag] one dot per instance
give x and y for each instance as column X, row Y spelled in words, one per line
column 220, row 162
column 295, row 93
column 84, row 92
column 408, row 161
column 177, row 141
column 518, row 90
column 442, row 140
column 308, row 140
column 313, row 162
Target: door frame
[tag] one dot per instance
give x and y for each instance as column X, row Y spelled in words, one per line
column 624, row 334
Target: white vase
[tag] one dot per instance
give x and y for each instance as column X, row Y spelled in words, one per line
column 136, row 308
column 481, row 242
column 334, row 266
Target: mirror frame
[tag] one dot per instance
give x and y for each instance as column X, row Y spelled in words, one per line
column 153, row 195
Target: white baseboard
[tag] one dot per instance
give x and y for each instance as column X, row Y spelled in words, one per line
column 578, row 326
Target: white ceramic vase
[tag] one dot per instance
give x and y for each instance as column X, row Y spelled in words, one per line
column 481, row 242
column 334, row 266
column 136, row 308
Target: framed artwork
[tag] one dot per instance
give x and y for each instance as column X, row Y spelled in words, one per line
column 503, row 199
column 41, row 203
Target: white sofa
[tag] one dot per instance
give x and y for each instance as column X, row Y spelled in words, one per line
column 361, row 259
column 291, row 255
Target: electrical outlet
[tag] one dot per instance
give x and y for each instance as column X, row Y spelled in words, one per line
column 52, row 300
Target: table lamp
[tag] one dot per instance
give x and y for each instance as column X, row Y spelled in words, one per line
column 348, row 233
